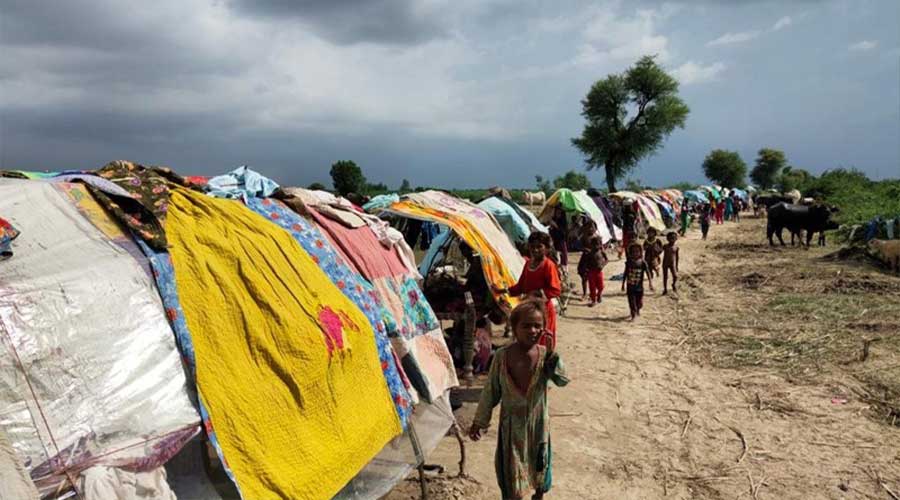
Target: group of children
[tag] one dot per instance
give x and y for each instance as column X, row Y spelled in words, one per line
column 643, row 262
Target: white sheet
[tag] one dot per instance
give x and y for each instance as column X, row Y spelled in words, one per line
column 89, row 371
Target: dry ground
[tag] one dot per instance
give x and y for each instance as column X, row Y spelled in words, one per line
column 772, row 373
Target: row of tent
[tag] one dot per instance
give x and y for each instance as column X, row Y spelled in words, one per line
column 140, row 308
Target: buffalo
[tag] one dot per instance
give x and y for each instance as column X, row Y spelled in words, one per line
column 763, row 202
column 795, row 218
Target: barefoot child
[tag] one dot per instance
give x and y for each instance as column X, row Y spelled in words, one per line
column 539, row 280
column 635, row 271
column 670, row 262
column 518, row 380
column 595, row 259
column 652, row 252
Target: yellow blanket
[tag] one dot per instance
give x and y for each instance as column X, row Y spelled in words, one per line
column 286, row 364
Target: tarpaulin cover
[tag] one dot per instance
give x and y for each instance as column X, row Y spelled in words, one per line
column 513, row 225
column 697, row 196
column 286, row 365
column 712, row 192
column 89, row 371
column 380, row 202
column 741, row 194
column 500, row 260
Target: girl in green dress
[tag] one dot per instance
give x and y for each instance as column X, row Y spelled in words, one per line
column 518, row 381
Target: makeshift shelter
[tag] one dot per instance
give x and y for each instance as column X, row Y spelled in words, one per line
column 674, row 197
column 386, row 262
column 500, row 260
column 95, row 376
column 711, row 192
column 512, row 218
column 649, row 209
column 380, row 202
column 696, row 196
column 264, row 309
column 667, row 211
column 744, row 195
column 578, row 202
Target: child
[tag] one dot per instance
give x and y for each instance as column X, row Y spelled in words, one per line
column 595, row 259
column 652, row 252
column 539, row 280
column 704, row 220
column 635, row 270
column 670, row 262
column 518, row 380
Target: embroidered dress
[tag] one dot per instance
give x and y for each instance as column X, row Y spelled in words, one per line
column 522, row 460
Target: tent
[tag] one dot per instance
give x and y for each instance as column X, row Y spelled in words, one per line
column 501, row 262
column 516, row 222
column 744, row 195
column 139, row 365
column 575, row 202
column 667, row 211
column 380, row 202
column 696, row 196
column 712, row 193
column 649, row 209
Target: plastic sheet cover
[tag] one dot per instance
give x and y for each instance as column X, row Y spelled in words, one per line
column 89, row 371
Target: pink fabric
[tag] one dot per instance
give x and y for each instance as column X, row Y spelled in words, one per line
column 361, row 248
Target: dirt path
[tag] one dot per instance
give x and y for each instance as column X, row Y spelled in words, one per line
column 644, row 417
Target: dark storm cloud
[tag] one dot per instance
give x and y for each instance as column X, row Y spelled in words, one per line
column 346, row 22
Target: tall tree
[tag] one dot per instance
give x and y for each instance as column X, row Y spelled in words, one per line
column 347, row 177
column 628, row 116
column 725, row 168
column 405, row 187
column 793, row 178
column 769, row 163
column 572, row 180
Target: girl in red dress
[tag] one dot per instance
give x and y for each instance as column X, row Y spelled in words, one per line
column 540, row 281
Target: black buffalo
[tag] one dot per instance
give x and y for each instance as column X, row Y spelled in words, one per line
column 766, row 201
column 795, row 218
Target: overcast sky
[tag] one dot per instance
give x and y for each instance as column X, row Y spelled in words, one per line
column 453, row 93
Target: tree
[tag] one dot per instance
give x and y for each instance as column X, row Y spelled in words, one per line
column 347, row 177
column 725, row 168
column 769, row 163
column 572, row 180
column 628, row 117
column 792, row 178
column 317, row 186
column 405, row 187
column 543, row 185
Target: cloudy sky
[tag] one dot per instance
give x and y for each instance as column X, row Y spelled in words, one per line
column 455, row 93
